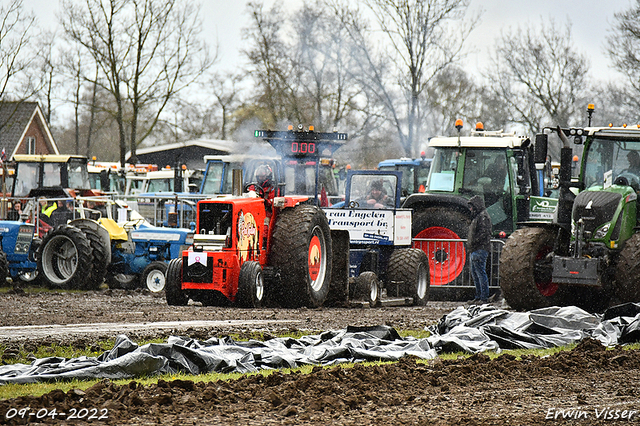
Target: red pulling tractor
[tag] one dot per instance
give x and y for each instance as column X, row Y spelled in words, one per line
column 261, row 246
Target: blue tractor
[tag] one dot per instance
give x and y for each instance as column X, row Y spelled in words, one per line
column 415, row 172
column 140, row 254
column 19, row 252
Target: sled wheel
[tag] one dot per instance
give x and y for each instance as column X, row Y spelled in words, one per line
column 64, row 258
column 154, row 276
column 446, row 259
column 525, row 271
column 367, row 288
column 122, row 281
column 100, row 251
column 410, row 268
column 250, row 285
column 173, row 289
column 300, row 249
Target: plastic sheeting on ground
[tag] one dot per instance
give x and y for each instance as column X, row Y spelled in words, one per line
column 482, row 328
column 470, row 329
column 127, row 360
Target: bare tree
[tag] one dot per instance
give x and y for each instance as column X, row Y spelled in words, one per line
column 226, row 90
column 269, row 63
column 424, row 37
column 147, row 51
column 16, row 29
column 624, row 43
column 538, row 74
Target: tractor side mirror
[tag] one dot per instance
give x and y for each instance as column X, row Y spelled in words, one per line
column 540, row 150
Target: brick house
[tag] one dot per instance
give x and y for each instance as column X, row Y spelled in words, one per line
column 24, row 130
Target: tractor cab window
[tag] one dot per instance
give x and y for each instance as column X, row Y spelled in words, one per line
column 213, row 178
column 160, row 185
column 373, row 191
column 443, row 170
column 27, row 178
column 51, row 175
column 609, row 162
column 486, row 173
column 78, row 174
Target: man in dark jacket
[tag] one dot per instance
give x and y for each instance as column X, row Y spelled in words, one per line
column 479, row 245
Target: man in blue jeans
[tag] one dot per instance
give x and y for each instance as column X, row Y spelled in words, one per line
column 479, row 245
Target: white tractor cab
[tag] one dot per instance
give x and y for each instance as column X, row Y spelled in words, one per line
column 167, row 180
column 51, row 176
column 110, row 177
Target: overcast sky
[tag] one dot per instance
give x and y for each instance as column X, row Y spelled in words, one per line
column 223, row 20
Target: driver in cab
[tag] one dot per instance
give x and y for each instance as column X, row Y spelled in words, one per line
column 634, row 163
column 378, row 198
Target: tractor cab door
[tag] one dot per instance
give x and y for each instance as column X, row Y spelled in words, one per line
column 487, row 174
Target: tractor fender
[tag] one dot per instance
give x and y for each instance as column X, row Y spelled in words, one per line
column 419, row 202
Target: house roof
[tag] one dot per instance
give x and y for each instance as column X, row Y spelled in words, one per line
column 215, row 144
column 15, row 118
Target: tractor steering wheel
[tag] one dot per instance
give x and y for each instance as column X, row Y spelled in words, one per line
column 256, row 187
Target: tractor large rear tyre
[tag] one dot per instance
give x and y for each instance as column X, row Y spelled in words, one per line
column 525, row 272
column 65, row 258
column 627, row 278
column 301, row 250
column 100, row 251
column 446, row 260
column 173, row 290
column 410, row 267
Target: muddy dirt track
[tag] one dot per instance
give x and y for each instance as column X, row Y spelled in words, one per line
column 588, row 384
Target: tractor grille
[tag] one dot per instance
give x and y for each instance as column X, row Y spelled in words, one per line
column 197, row 272
column 595, row 208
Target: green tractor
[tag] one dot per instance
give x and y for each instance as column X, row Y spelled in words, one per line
column 590, row 255
column 500, row 168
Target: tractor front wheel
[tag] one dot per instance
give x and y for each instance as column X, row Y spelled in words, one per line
column 250, row 285
column 526, row 271
column 446, row 258
column 367, row 288
column 627, row 278
column 122, row 281
column 154, row 276
column 173, row 289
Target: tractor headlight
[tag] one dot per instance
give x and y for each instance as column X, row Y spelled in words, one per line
column 600, row 233
column 189, row 240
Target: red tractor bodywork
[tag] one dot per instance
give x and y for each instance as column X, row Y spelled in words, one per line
column 224, row 243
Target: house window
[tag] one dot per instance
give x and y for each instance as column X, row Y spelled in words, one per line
column 31, row 145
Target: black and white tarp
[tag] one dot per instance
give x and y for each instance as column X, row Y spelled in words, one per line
column 469, row 329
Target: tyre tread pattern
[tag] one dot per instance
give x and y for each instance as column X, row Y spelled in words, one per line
column 99, row 256
column 289, row 252
column 517, row 265
column 403, row 267
column 173, row 287
column 84, row 262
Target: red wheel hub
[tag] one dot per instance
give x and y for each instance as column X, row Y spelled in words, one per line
column 446, row 259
